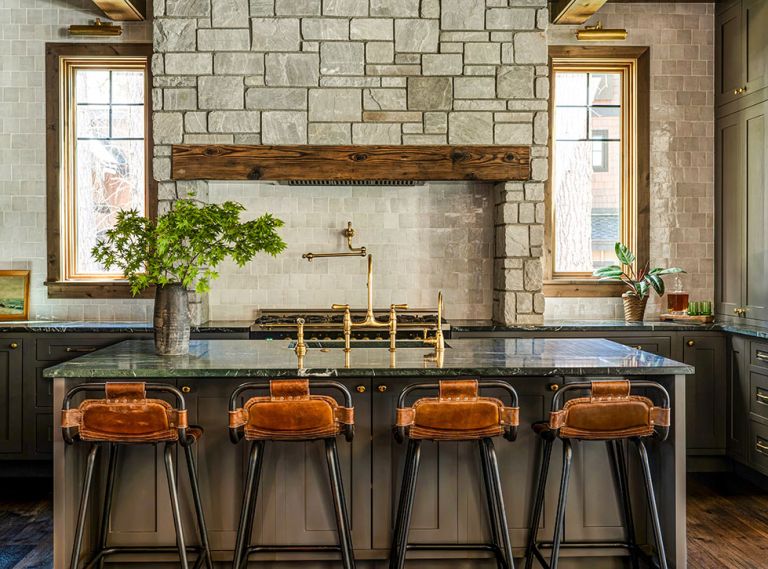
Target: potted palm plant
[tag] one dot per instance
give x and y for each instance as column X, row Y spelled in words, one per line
column 640, row 283
column 180, row 251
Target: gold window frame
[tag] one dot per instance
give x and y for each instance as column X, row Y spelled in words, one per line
column 68, row 66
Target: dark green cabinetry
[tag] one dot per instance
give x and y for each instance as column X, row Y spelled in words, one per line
column 10, row 395
column 737, row 400
column 705, row 395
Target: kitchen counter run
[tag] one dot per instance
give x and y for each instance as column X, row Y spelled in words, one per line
column 470, row 357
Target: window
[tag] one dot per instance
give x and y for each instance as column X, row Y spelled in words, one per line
column 99, row 104
column 594, row 194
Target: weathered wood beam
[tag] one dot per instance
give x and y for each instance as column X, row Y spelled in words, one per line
column 123, row 10
column 574, row 11
column 351, row 163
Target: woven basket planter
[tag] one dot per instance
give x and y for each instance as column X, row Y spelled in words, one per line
column 634, row 308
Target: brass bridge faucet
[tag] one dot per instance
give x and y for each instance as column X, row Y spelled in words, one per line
column 439, row 340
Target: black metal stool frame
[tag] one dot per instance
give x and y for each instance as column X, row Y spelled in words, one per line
column 501, row 546
column 243, row 549
column 98, row 557
column 619, row 467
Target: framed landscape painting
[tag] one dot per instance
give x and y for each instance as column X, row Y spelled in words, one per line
column 14, row 295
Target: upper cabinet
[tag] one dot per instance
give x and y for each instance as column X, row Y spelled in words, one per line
column 742, row 50
column 741, row 149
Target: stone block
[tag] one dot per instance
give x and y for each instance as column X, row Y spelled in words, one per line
column 342, row 58
column 474, row 87
column 345, row 8
column 329, row 133
column 523, row 302
column 335, row 105
column 220, row 92
column 527, row 212
column 262, row 7
column 470, row 128
column 416, row 36
column 513, row 133
column 541, row 128
column 395, row 8
column 482, row 53
column 229, row 13
column 187, row 8
column 161, row 169
column 531, row 47
column 514, row 241
column 423, row 139
column 297, row 7
column 180, row 99
column 292, row 69
column 513, row 82
column 534, row 192
column 195, row 122
column 430, row 93
column 510, row 19
column 238, row 63
column 384, row 99
column 224, row 40
column 504, row 308
column 188, row 64
column 379, row 29
column 393, row 70
column 436, row 123
column 534, row 275
column 413, row 128
column 380, row 52
column 462, row 15
column 275, row 34
column 507, row 52
column 276, row 98
column 376, row 133
column 167, row 128
column 539, row 169
column 175, row 35
column 392, row 116
column 324, row 29
column 284, row 127
column 234, row 121
column 430, row 8
column 442, row 64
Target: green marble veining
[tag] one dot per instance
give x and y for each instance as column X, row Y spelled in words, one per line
column 465, row 358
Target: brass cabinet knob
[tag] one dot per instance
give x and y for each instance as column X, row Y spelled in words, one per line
column 13, row 345
column 638, row 347
column 691, row 343
column 186, row 389
column 382, row 388
column 553, row 387
column 360, row 389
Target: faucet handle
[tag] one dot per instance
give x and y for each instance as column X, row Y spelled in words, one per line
column 398, row 306
column 340, row 306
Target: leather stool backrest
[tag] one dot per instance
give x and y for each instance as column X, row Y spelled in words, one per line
column 457, row 413
column 290, row 412
column 124, row 415
column 609, row 411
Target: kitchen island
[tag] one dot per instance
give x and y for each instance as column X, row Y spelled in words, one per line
column 294, row 506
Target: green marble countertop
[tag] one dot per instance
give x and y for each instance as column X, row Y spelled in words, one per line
column 462, row 358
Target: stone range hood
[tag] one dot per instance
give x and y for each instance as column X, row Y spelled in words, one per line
column 324, row 164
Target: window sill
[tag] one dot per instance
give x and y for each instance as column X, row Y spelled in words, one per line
column 94, row 289
column 589, row 288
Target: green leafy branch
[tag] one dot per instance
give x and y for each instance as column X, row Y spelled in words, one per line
column 639, row 282
column 186, row 244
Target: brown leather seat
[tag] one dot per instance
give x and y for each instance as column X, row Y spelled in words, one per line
column 609, row 412
column 126, row 415
column 289, row 412
column 457, row 413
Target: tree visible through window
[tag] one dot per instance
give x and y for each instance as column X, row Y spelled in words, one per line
column 591, row 188
column 104, row 106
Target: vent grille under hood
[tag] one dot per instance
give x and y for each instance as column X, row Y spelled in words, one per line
column 351, row 182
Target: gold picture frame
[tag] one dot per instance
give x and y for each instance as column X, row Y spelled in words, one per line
column 14, row 295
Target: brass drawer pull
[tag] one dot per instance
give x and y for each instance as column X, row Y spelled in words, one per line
column 761, row 447
column 71, row 350
column 761, row 397
column 382, row 388
column 553, row 387
column 13, row 346
column 691, row 343
column 360, row 389
column 761, row 355
column 186, row 389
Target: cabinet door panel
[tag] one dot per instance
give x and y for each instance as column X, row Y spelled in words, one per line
column 756, row 134
column 730, row 75
column 705, row 394
column 755, row 22
column 737, row 421
column 730, row 196
column 10, row 395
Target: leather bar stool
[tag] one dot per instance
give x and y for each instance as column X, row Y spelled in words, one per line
column 608, row 413
column 290, row 413
column 125, row 416
column 458, row 413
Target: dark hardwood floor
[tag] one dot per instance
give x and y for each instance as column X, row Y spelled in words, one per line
column 727, row 523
